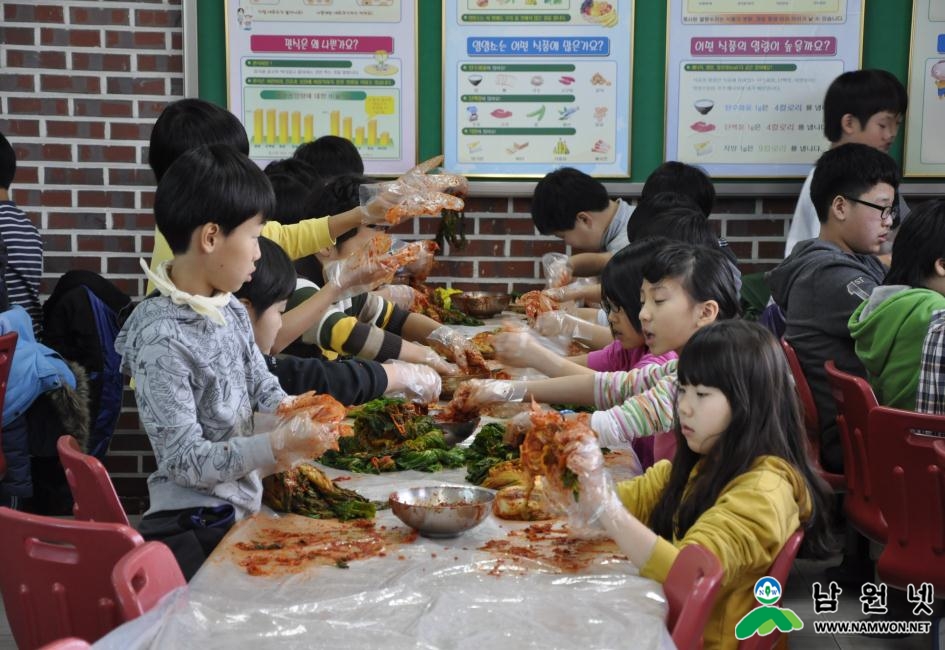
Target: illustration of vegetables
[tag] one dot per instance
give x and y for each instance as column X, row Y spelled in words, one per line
column 501, row 113
column 538, row 113
column 567, row 112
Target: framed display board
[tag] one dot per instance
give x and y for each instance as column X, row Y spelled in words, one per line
column 925, row 146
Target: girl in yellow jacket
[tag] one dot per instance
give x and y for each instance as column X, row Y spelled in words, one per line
column 739, row 484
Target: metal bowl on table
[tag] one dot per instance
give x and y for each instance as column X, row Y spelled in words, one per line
column 481, row 304
column 442, row 511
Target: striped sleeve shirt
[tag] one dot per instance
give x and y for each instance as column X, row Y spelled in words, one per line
column 24, row 261
column 634, row 404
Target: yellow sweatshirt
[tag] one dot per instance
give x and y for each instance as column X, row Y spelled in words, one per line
column 746, row 528
column 298, row 240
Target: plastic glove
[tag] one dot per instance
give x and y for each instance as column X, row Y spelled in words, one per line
column 454, row 345
column 413, row 381
column 596, row 495
column 576, row 291
column 563, row 326
column 421, row 267
column 557, row 269
column 369, row 267
column 515, row 348
column 416, row 353
column 488, row 391
column 402, row 295
column 411, row 195
column 299, row 439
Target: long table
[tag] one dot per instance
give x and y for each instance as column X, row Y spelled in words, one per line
column 428, row 593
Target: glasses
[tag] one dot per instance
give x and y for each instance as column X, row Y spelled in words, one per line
column 887, row 212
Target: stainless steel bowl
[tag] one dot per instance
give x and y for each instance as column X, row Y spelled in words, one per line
column 481, row 304
column 441, row 511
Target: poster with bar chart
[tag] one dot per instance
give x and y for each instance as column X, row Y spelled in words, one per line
column 302, row 69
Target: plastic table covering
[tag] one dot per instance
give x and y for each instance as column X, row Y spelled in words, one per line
column 431, row 593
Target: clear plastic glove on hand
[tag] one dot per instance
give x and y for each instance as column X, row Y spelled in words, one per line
column 563, row 326
column 402, row 295
column 411, row 195
column 596, row 493
column 429, row 357
column 299, row 439
column 557, row 269
column 369, row 267
column 490, row 391
column 515, row 348
column 415, row 382
column 457, row 347
column 576, row 291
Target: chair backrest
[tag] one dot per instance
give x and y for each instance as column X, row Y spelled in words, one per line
column 691, row 588
column 910, row 467
column 7, row 347
column 143, row 576
column 56, row 578
column 855, row 399
column 780, row 570
column 811, row 419
column 93, row 495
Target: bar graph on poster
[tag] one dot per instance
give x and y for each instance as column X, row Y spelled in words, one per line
column 301, row 69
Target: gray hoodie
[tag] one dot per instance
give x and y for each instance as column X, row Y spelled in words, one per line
column 818, row 287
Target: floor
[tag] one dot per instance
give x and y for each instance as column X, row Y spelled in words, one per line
column 797, row 597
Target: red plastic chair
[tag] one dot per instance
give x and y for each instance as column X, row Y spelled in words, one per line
column 93, row 495
column 911, row 470
column 780, row 570
column 56, row 578
column 811, row 421
column 855, row 400
column 143, row 576
column 691, row 588
column 69, row 643
column 7, row 347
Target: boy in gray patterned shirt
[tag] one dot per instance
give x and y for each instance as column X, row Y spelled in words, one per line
column 197, row 373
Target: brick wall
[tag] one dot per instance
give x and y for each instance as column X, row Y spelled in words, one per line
column 81, row 84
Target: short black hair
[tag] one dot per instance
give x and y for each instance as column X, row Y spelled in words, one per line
column 7, row 163
column 686, row 224
column 850, row 169
column 675, row 176
column 862, row 94
column 188, row 123
column 331, row 155
column 295, row 167
column 272, row 281
column 561, row 194
column 919, row 243
column 653, row 207
column 210, row 184
column 292, row 181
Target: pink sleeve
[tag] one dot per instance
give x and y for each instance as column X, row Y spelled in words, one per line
column 614, row 358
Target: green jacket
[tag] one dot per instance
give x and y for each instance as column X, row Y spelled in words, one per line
column 888, row 330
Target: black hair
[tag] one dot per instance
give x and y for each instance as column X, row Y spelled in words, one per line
column 7, row 163
column 296, row 168
column 188, row 123
column 705, row 274
column 919, row 243
column 678, row 177
column 330, row 156
column 685, row 224
column 652, row 207
column 210, row 184
column 272, row 281
column 622, row 277
column 744, row 361
column 561, row 194
column 862, row 94
column 850, row 169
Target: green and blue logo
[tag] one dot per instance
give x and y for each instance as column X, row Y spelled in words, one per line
column 767, row 618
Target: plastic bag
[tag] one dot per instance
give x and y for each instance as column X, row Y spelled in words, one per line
column 298, row 439
column 369, row 267
column 411, row 195
column 557, row 269
column 457, row 347
column 413, row 381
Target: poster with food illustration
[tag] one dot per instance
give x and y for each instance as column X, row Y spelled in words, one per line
column 301, row 69
column 746, row 81
column 530, row 85
column 924, row 145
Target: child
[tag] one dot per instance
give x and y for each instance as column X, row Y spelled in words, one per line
column 292, row 181
column 24, row 246
column 861, row 106
column 825, row 279
column 572, row 206
column 350, row 381
column 331, row 156
column 739, row 483
column 198, row 376
column 898, row 332
column 680, row 178
column 685, row 287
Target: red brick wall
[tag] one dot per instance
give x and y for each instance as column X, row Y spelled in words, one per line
column 81, row 84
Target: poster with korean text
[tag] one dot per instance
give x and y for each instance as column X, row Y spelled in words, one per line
column 301, row 69
column 532, row 85
column 746, row 81
column 925, row 146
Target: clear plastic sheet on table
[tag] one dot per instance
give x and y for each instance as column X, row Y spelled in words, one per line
column 431, row 593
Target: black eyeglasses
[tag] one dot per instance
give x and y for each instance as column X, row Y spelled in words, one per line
column 887, row 212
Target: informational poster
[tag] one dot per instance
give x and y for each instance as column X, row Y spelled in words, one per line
column 746, row 81
column 301, row 69
column 925, row 146
column 532, row 85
